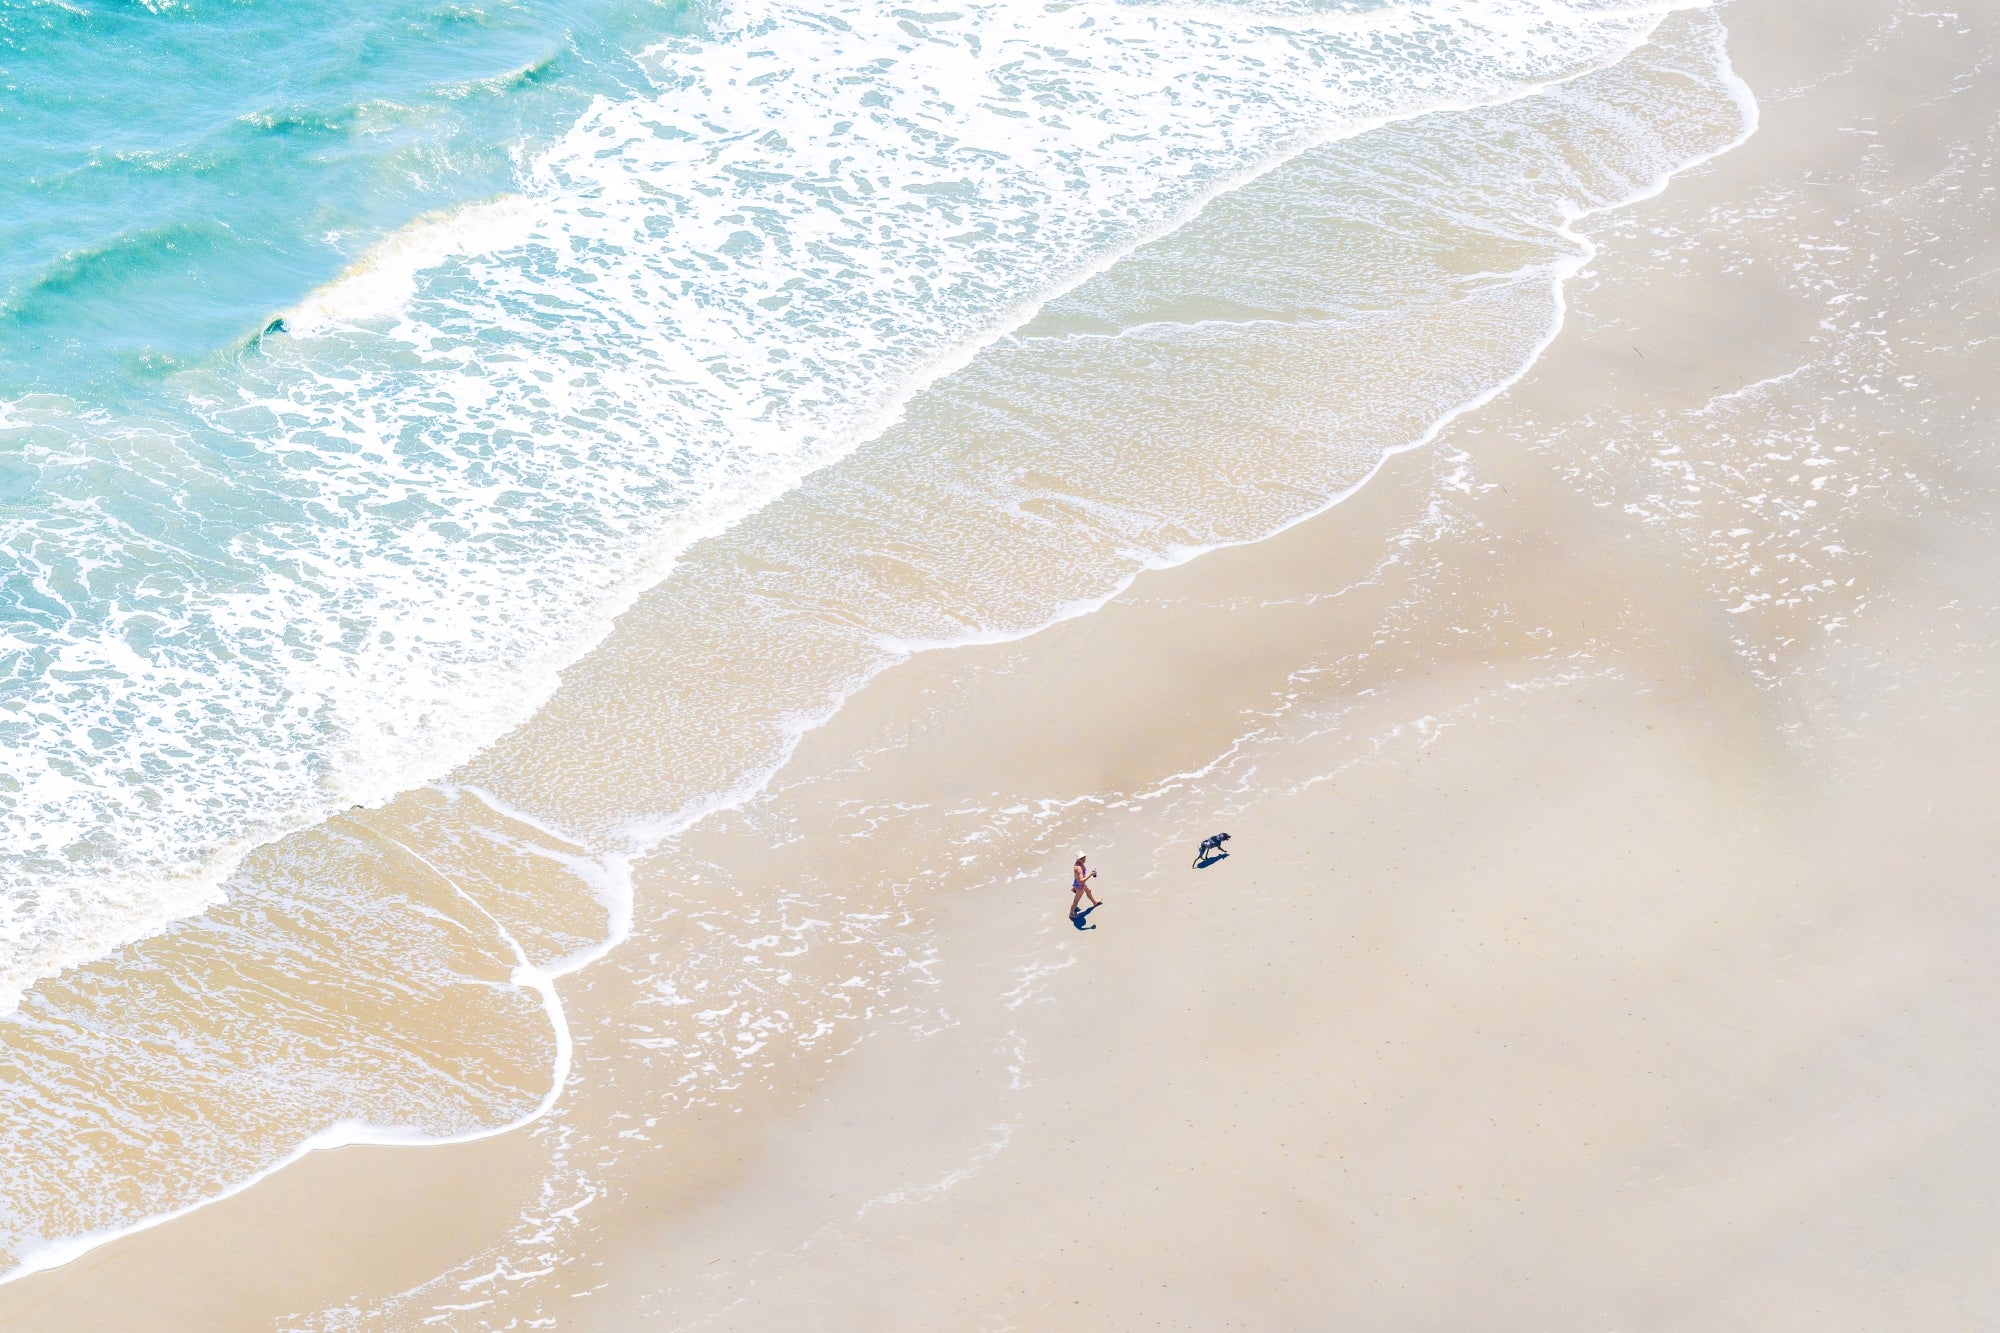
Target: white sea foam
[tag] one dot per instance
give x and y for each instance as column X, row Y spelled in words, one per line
column 384, row 281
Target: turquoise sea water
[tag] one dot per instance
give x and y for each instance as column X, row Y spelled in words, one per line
column 358, row 363
column 173, row 174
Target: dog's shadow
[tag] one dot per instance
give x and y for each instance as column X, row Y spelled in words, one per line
column 1209, row 858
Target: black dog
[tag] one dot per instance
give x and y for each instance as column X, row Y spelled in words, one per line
column 1212, row 843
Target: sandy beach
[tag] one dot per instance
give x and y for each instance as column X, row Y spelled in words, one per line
column 1607, row 931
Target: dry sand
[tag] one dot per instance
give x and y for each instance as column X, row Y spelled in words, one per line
column 1608, row 933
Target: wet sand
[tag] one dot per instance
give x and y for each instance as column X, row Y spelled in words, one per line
column 1606, row 936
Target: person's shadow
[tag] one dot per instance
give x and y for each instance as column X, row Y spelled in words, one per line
column 1210, row 857
column 1077, row 918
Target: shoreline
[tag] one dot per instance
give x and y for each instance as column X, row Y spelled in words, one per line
column 753, row 786
column 745, row 1195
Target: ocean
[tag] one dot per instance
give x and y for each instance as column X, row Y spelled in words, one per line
column 360, row 370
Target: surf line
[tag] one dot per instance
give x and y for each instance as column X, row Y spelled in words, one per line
column 611, row 881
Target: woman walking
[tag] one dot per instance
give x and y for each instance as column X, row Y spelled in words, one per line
column 1079, row 887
